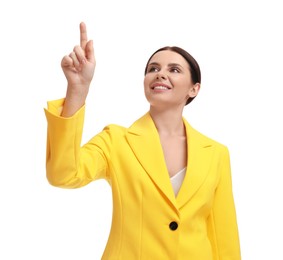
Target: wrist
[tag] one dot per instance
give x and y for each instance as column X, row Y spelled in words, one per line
column 77, row 91
column 73, row 102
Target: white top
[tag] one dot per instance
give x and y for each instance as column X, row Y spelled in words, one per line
column 177, row 180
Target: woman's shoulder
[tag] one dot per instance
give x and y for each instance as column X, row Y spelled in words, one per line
column 115, row 129
column 204, row 138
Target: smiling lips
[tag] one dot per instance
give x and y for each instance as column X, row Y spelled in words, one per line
column 160, row 87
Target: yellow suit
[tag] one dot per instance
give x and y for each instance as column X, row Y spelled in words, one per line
column 149, row 222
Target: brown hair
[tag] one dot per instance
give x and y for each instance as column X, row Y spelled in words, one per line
column 193, row 65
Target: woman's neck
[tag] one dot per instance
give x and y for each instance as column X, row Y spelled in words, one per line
column 168, row 122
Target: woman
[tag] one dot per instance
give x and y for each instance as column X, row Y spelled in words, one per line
column 171, row 185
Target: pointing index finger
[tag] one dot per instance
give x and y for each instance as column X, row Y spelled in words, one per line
column 83, row 35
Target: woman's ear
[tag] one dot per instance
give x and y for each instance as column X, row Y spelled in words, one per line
column 193, row 92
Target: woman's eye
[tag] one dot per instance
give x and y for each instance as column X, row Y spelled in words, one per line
column 152, row 69
column 175, row 70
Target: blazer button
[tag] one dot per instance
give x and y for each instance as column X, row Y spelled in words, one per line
column 173, row 225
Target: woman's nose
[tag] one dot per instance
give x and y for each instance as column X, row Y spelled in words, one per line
column 160, row 75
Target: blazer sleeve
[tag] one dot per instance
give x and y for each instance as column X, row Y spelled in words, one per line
column 223, row 227
column 68, row 165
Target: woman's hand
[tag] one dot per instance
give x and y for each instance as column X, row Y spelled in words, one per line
column 78, row 68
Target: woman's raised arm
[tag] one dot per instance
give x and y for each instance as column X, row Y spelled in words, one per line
column 78, row 68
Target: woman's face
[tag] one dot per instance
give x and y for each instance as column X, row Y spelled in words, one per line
column 168, row 80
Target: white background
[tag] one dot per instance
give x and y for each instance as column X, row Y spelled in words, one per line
column 238, row 45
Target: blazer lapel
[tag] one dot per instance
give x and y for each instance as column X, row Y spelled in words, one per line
column 144, row 140
column 200, row 151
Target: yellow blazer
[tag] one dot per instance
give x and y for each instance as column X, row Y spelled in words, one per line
column 149, row 222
